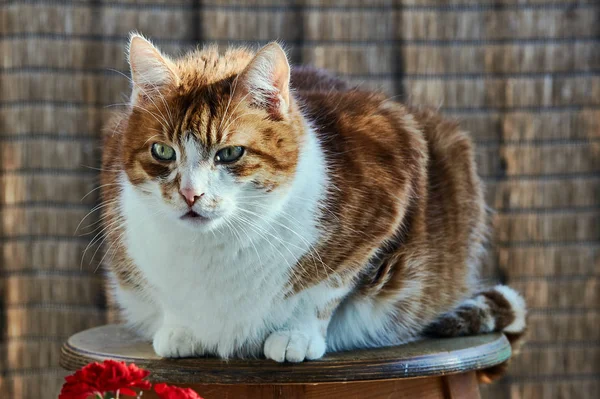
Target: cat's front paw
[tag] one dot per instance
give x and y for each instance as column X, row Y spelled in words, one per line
column 294, row 346
column 175, row 341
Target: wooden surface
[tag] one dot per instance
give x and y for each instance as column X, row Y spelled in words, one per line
column 419, row 359
column 463, row 387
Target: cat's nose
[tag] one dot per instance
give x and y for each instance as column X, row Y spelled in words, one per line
column 190, row 195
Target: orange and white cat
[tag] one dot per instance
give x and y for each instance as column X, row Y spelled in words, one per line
column 252, row 210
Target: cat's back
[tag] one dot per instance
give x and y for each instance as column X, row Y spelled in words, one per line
column 340, row 113
column 378, row 146
column 372, row 123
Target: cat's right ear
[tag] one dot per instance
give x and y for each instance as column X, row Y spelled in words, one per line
column 151, row 72
column 266, row 81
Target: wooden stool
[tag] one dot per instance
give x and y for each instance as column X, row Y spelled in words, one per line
column 441, row 368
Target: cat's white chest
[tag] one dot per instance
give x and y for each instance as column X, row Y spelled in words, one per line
column 225, row 289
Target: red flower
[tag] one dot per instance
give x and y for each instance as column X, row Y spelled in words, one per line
column 165, row 391
column 110, row 376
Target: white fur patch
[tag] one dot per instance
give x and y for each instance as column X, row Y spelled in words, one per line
column 139, row 312
column 294, row 346
column 362, row 322
column 518, row 306
column 176, row 341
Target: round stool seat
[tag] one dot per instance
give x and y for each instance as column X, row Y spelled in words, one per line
column 428, row 358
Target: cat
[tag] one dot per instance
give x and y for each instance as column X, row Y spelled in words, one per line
column 251, row 210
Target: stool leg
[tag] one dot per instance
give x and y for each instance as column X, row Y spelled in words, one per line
column 462, row 386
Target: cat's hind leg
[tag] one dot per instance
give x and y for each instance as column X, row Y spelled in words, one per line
column 497, row 309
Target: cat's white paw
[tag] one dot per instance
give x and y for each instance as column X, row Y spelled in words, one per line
column 175, row 341
column 294, row 346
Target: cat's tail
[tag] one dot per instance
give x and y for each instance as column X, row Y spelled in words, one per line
column 496, row 309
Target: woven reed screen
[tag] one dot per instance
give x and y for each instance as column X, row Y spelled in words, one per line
column 523, row 76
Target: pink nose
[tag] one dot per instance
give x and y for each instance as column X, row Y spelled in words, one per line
column 190, row 196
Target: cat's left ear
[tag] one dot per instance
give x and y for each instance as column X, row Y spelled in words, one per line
column 151, row 71
column 266, row 81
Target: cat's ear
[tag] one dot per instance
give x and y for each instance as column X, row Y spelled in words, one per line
column 151, row 71
column 266, row 81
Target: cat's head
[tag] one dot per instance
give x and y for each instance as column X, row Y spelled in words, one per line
column 210, row 137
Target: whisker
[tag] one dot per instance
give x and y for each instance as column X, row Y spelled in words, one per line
column 100, row 169
column 94, row 209
column 92, row 243
column 310, row 248
column 141, row 108
column 257, row 229
column 98, row 188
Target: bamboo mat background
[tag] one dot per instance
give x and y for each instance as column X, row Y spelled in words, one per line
column 523, row 76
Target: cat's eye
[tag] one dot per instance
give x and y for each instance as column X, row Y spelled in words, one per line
column 229, row 154
column 163, row 152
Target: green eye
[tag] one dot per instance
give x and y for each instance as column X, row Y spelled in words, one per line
column 163, row 152
column 229, row 154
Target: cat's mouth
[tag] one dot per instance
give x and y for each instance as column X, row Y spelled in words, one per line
column 194, row 217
